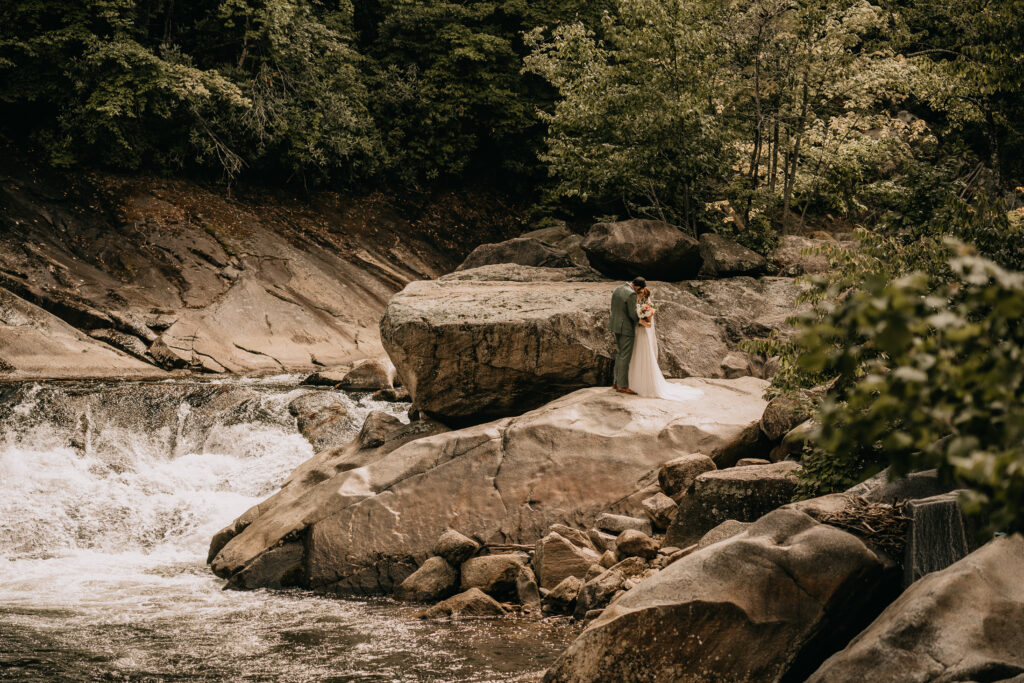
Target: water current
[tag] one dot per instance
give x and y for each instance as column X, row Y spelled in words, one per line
column 109, row 494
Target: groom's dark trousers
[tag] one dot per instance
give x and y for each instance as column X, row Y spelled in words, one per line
column 623, row 323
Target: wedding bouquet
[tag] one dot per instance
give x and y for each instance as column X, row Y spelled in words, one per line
column 645, row 310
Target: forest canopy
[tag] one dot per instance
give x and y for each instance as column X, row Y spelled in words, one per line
column 783, row 108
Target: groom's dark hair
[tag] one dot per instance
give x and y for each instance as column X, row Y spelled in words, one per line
column 639, row 283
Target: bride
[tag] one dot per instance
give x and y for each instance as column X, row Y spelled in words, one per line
column 645, row 376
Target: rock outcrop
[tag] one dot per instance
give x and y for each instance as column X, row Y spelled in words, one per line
column 754, row 607
column 964, row 623
column 638, row 247
column 369, row 517
column 475, row 349
column 178, row 275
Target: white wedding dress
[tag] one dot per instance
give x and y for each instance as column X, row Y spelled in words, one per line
column 645, row 376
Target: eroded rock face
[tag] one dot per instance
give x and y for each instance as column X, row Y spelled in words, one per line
column 476, row 349
column 963, row 623
column 638, row 247
column 503, row 482
column 710, row 616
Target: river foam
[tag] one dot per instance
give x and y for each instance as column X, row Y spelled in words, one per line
column 111, row 492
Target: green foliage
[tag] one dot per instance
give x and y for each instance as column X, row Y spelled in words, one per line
column 929, row 377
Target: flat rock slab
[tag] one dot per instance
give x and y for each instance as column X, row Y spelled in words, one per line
column 504, row 482
column 476, row 349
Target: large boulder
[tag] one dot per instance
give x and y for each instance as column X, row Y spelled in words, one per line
column 722, row 257
column 563, row 238
column 471, row 603
column 677, row 475
column 371, row 516
column 493, row 574
column 474, row 349
column 964, row 623
column 369, row 374
column 526, row 251
column 639, row 247
column 751, row 608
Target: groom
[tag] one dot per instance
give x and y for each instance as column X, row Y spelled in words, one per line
column 623, row 323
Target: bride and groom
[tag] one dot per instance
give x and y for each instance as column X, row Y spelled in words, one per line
column 636, row 364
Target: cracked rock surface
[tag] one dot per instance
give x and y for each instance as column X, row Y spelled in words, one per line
column 369, row 525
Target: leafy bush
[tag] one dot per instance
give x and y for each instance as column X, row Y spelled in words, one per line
column 929, row 377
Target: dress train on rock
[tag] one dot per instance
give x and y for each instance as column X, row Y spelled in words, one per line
column 645, row 376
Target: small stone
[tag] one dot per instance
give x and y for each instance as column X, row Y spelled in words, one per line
column 435, row 579
column 661, row 509
column 736, row 365
column 616, row 524
column 471, row 603
column 556, row 558
column 493, row 574
column 609, row 559
column 377, row 428
column 369, row 375
column 594, row 571
column 601, row 540
column 781, row 415
column 745, row 462
column 575, row 536
column 392, row 395
column 633, row 543
column 527, row 591
column 455, row 547
column 677, row 475
column 562, row 598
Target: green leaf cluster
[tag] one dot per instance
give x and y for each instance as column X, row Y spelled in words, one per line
column 928, row 378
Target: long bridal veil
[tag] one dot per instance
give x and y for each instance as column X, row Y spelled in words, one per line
column 645, row 376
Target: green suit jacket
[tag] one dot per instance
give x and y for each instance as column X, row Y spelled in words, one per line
column 624, row 317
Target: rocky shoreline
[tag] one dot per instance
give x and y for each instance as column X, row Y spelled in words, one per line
column 520, row 484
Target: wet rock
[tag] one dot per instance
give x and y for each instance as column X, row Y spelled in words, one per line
column 661, row 509
column 653, row 249
column 722, row 257
column 782, row 415
column 396, row 395
column 633, row 543
column 279, row 567
column 435, row 579
column 962, row 623
column 322, row 418
column 493, row 574
column 726, row 529
column 328, row 377
column 678, row 474
column 378, row 428
column 746, row 493
column 616, row 524
column 556, row 558
column 562, row 598
column 455, row 547
column 525, row 251
column 725, row 626
column 370, row 374
column 471, row 603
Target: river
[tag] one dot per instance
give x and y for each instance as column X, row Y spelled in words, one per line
column 110, row 494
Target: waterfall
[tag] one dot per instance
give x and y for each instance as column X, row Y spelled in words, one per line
column 111, row 492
